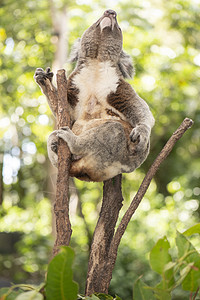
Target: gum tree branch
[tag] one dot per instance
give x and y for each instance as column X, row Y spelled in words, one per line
column 105, row 242
column 185, row 125
column 58, row 103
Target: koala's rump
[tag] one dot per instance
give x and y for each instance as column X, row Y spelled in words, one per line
column 106, row 147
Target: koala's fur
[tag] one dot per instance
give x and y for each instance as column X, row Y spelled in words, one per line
column 111, row 123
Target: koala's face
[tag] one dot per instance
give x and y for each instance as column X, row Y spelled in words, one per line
column 103, row 40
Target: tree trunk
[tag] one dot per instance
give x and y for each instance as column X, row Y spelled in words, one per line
column 99, row 277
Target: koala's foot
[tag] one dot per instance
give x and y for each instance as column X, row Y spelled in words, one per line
column 69, row 137
column 140, row 136
column 41, row 75
column 52, row 148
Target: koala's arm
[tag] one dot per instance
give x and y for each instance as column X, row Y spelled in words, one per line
column 41, row 78
column 135, row 110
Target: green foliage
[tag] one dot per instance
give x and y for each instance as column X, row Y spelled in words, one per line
column 142, row 291
column 163, row 40
column 59, row 283
column 183, row 270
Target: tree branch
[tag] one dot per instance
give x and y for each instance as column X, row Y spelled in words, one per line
column 58, row 102
column 185, row 125
column 105, row 243
column 98, row 277
column 61, row 207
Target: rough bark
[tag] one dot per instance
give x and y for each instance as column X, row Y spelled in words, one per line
column 61, row 207
column 105, row 243
column 58, row 102
column 99, row 264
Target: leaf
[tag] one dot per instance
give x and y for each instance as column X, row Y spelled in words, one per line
column 170, row 265
column 192, row 230
column 141, row 291
column 159, row 256
column 60, row 285
column 92, row 297
column 103, row 296
column 117, row 298
column 159, row 261
column 32, row 295
column 183, row 273
column 8, row 294
column 191, row 259
column 162, row 295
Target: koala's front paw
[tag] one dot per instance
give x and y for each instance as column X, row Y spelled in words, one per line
column 65, row 133
column 41, row 75
column 140, row 137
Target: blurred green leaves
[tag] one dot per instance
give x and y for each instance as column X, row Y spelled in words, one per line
column 59, row 277
column 163, row 39
column 183, row 270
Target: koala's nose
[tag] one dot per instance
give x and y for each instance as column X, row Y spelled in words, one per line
column 110, row 12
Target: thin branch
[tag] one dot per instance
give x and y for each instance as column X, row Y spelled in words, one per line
column 61, row 207
column 185, row 125
column 57, row 99
column 196, row 293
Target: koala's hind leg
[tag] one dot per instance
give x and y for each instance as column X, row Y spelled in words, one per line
column 73, row 141
column 75, row 144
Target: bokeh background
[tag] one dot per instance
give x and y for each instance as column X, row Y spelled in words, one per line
column 163, row 38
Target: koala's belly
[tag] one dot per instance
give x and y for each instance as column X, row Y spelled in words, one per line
column 95, row 82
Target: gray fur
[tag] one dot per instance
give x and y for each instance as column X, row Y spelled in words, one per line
column 126, row 65
column 111, row 123
column 74, row 55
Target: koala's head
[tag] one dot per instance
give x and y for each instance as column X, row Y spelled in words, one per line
column 103, row 41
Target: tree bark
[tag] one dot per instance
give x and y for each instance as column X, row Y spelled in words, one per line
column 99, row 263
column 105, row 242
column 61, row 207
column 58, row 102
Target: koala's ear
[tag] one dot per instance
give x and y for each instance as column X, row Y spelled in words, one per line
column 126, row 65
column 73, row 57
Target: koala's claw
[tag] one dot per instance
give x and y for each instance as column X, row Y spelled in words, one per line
column 135, row 135
column 138, row 137
column 41, row 75
column 64, row 133
column 54, row 147
column 66, row 128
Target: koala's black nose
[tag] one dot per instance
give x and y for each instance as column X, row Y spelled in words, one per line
column 110, row 12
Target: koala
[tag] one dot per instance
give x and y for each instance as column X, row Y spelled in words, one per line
column 111, row 124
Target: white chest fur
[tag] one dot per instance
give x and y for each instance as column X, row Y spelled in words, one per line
column 95, row 82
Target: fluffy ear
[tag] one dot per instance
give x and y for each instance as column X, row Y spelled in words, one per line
column 75, row 51
column 126, row 65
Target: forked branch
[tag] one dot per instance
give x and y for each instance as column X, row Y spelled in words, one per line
column 185, row 125
column 101, row 265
